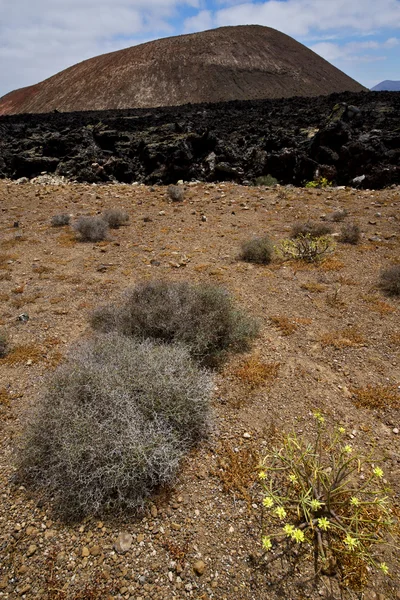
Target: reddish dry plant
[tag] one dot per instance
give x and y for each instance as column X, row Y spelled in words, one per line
column 284, row 324
column 377, row 396
column 237, row 471
column 254, row 372
column 350, row 337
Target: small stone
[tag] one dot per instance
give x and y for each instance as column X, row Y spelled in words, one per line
column 23, row 570
column 24, row 589
column 153, row 511
column 199, row 567
column 85, row 552
column 162, row 212
column 203, row 218
column 123, row 542
column 31, row 550
column 247, row 436
column 395, row 430
column 60, row 558
column 140, row 538
column 95, row 550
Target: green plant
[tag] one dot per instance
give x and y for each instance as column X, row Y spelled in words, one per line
column 204, row 317
column 266, row 180
column 115, row 218
column 113, row 424
column 321, row 182
column 258, row 250
column 60, row 220
column 4, row 348
column 311, row 228
column 390, row 280
column 91, row 229
column 306, row 247
column 176, row 193
column 324, row 495
column 350, row 234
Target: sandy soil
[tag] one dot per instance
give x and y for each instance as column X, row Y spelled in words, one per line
column 327, row 329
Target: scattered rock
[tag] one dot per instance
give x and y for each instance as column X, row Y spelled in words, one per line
column 31, row 550
column 123, row 542
column 199, row 567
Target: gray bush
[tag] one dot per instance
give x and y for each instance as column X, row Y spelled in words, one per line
column 60, row 220
column 390, row 280
column 310, row 228
column 350, row 234
column 258, row 250
column 204, row 317
column 114, row 423
column 91, row 229
column 339, row 215
column 115, row 218
column 176, row 193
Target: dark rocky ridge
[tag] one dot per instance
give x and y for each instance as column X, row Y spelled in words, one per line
column 292, row 139
column 245, row 62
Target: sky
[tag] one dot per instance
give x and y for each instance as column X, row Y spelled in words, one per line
column 39, row 38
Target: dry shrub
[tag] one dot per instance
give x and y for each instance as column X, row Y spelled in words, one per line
column 237, row 471
column 113, row 424
column 339, row 215
column 254, row 372
column 60, row 220
column 284, row 324
column 390, row 280
column 377, row 396
column 310, row 228
column 350, row 234
column 350, row 337
column 115, row 218
column 22, row 354
column 258, row 250
column 91, row 229
column 204, row 317
column 312, row 286
column 4, row 344
column 176, row 193
column 331, row 264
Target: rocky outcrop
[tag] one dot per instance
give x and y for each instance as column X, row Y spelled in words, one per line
column 230, row 63
column 340, row 137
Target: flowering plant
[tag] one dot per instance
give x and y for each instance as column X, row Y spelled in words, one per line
column 326, row 496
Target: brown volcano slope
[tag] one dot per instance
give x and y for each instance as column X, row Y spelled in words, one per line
column 230, row 63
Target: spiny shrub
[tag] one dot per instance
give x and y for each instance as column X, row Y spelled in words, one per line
column 307, row 248
column 390, row 280
column 310, row 228
column 314, row 496
column 204, row 317
column 60, row 220
column 176, row 193
column 350, row 234
column 3, row 343
column 114, row 423
column 91, row 229
column 115, row 218
column 258, row 250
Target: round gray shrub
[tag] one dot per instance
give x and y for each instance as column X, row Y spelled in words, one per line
column 310, row 228
column 60, row 220
column 113, row 424
column 258, row 250
column 115, row 218
column 390, row 280
column 176, row 193
column 350, row 234
column 91, row 229
column 204, row 317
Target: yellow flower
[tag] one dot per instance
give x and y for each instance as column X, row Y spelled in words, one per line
column 348, row 449
column 384, row 568
column 298, row 535
column 350, row 542
column 293, row 478
column 280, row 512
column 319, row 417
column 342, row 430
column 268, row 502
column 323, row 523
column 288, row 529
column 315, row 504
column 378, row 472
column 266, row 542
column 354, row 501
column 262, row 475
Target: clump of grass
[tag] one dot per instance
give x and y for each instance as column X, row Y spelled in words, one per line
column 390, row 280
column 60, row 220
column 91, row 229
column 113, row 425
column 350, row 234
column 315, row 500
column 204, row 317
column 311, row 229
column 176, row 193
column 377, row 396
column 115, row 218
column 258, row 250
column 4, row 344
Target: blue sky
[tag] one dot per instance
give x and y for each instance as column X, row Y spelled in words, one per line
column 38, row 38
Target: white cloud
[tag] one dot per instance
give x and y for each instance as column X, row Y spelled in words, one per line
column 351, row 51
column 200, row 22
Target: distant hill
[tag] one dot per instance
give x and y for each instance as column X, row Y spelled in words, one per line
column 246, row 62
column 387, row 86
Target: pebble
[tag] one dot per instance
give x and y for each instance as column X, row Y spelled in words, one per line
column 85, row 552
column 31, row 550
column 395, row 430
column 247, row 436
column 199, row 567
